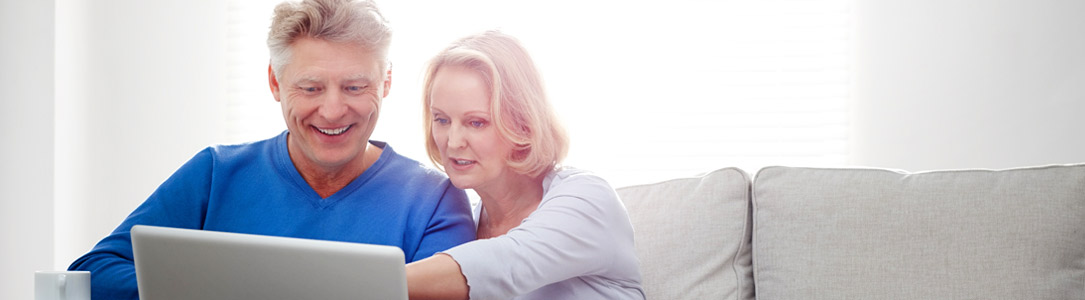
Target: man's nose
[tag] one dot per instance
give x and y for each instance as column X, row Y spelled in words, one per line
column 333, row 106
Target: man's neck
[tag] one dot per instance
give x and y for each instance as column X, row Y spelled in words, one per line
column 328, row 181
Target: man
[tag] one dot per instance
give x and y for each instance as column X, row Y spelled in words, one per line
column 322, row 178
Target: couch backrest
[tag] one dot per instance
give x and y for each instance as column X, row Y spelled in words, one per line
column 881, row 234
column 833, row 233
column 692, row 236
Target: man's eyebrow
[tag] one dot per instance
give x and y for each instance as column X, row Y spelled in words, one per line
column 307, row 79
column 358, row 77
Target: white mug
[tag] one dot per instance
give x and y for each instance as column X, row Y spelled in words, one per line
column 62, row 285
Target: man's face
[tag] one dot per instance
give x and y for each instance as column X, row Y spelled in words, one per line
column 331, row 96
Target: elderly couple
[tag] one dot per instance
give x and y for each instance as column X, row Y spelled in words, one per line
column 541, row 231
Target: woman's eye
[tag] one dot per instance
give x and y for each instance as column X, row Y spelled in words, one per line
column 477, row 124
column 440, row 120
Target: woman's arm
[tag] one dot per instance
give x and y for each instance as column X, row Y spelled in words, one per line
column 580, row 229
column 436, row 277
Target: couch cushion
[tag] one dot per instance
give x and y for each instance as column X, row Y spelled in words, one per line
column 692, row 236
column 882, row 234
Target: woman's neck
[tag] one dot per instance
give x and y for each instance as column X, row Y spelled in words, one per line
column 506, row 205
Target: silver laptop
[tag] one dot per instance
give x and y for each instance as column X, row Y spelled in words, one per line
column 187, row 264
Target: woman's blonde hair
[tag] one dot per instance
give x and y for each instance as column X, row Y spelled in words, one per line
column 518, row 104
column 344, row 21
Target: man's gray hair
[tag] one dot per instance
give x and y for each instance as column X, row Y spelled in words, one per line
column 342, row 21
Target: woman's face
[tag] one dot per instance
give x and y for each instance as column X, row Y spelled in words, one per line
column 473, row 152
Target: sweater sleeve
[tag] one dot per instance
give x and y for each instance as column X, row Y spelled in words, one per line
column 569, row 235
column 450, row 225
column 181, row 201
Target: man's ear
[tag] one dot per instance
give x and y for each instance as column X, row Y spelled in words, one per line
column 387, row 82
column 273, row 82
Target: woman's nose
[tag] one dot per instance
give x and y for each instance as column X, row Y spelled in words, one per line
column 456, row 138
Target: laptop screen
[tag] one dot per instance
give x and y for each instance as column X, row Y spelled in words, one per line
column 174, row 263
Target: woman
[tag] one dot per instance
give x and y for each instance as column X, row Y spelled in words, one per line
column 544, row 232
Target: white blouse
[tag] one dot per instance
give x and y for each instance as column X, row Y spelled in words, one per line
column 578, row 244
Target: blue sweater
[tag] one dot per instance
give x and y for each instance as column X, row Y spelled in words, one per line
column 254, row 188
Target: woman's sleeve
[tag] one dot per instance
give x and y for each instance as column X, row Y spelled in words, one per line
column 571, row 234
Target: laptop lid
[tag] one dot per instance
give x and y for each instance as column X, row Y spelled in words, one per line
column 174, row 263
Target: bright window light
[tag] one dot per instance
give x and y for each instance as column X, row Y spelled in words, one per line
column 649, row 90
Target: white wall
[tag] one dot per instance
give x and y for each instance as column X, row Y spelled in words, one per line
column 969, row 84
column 26, row 154
column 100, row 104
column 140, row 88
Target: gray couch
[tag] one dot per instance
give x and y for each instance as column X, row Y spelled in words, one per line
column 825, row 233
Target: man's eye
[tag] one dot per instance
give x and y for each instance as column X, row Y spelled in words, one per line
column 355, row 88
column 311, row 89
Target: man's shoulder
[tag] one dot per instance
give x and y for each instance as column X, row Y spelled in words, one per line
column 244, row 151
column 406, row 176
column 411, row 172
column 403, row 166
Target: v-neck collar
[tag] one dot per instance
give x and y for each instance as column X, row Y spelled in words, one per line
column 286, row 167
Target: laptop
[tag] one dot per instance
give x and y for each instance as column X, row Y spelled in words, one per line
column 174, row 263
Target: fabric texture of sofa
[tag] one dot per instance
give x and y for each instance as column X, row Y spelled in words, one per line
column 863, row 233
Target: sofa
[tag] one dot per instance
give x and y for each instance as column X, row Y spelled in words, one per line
column 863, row 233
